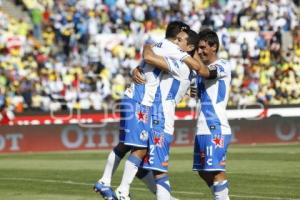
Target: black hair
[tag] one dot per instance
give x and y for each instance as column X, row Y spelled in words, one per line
column 210, row 37
column 176, row 27
column 193, row 39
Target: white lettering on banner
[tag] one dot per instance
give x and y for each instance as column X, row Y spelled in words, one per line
column 90, row 135
column 2, row 142
column 103, row 134
column 286, row 135
column 182, row 135
column 65, row 137
column 103, row 138
column 14, row 140
column 90, row 139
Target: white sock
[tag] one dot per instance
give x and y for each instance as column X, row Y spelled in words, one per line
column 131, row 167
column 148, row 178
column 163, row 188
column 220, row 190
column 111, row 165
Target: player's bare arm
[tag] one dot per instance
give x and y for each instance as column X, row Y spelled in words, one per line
column 151, row 58
column 193, row 63
column 202, row 69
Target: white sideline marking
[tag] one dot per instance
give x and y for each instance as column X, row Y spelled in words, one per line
column 140, row 189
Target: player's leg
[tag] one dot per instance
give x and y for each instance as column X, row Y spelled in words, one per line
column 209, row 161
column 103, row 185
column 163, row 186
column 157, row 160
column 131, row 167
column 112, row 162
column 137, row 137
column 217, row 182
column 147, row 177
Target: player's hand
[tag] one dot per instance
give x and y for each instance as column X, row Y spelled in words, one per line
column 137, row 76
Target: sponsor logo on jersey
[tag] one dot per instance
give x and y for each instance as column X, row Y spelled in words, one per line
column 144, row 135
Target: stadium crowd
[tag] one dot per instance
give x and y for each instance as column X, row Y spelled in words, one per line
column 79, row 54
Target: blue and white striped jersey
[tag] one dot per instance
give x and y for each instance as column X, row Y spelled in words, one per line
column 145, row 93
column 173, row 87
column 213, row 97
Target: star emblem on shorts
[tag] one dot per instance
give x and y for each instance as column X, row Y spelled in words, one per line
column 141, row 116
column 156, row 140
column 218, row 141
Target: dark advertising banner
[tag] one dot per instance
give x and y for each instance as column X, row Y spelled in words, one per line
column 41, row 138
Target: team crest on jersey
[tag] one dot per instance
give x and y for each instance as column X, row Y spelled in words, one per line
column 218, row 141
column 144, row 135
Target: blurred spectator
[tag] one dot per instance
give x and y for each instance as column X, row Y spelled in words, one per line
column 78, row 54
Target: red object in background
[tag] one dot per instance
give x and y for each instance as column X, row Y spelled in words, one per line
column 6, row 117
column 42, row 138
column 13, row 42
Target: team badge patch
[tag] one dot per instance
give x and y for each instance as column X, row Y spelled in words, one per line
column 218, row 141
column 144, row 135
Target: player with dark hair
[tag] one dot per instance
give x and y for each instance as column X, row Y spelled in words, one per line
column 174, row 84
column 213, row 131
column 136, row 115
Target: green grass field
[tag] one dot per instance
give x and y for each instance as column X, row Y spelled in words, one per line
column 255, row 172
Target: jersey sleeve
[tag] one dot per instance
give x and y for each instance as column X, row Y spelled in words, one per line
column 174, row 66
column 166, row 49
column 179, row 55
column 218, row 71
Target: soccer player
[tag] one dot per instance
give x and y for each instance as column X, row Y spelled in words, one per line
column 174, row 84
column 136, row 113
column 213, row 131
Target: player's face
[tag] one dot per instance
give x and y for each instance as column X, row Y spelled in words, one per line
column 181, row 41
column 205, row 51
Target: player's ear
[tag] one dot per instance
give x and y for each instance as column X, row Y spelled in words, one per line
column 191, row 47
column 214, row 47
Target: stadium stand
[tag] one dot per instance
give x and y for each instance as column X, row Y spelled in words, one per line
column 79, row 54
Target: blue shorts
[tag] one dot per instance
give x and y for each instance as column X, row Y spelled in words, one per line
column 210, row 152
column 158, row 151
column 135, row 123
